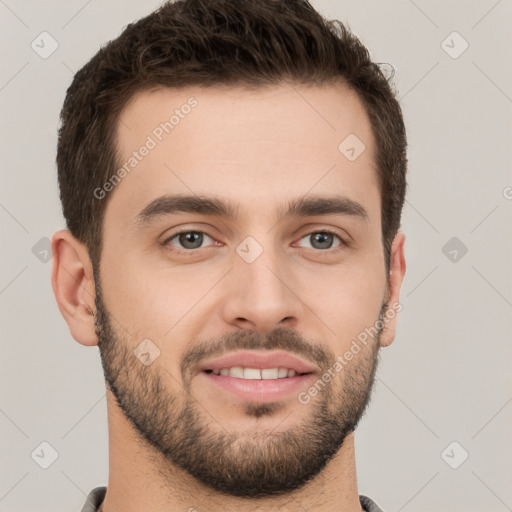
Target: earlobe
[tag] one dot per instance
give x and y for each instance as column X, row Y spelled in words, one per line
column 73, row 286
column 396, row 276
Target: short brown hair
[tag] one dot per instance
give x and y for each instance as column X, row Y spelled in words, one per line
column 213, row 43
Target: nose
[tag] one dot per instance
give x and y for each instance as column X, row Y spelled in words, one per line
column 260, row 294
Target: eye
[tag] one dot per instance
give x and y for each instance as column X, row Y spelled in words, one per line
column 322, row 240
column 188, row 240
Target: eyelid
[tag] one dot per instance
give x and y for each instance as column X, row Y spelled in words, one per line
column 343, row 242
column 187, row 228
column 330, row 231
column 167, row 240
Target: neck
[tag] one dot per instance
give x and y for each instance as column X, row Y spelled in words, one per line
column 141, row 479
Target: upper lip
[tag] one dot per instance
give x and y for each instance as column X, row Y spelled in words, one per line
column 261, row 360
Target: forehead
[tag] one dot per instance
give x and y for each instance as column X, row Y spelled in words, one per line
column 259, row 148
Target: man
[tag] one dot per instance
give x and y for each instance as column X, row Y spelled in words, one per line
column 232, row 176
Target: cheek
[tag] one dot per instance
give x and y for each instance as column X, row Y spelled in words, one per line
column 347, row 300
column 128, row 292
column 152, row 299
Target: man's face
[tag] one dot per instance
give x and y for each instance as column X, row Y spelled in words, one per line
column 256, row 282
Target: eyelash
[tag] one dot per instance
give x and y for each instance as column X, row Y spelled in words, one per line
column 332, row 250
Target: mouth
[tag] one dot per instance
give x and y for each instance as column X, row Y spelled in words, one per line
column 256, row 376
column 239, row 372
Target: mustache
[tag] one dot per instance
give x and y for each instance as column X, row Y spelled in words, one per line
column 280, row 338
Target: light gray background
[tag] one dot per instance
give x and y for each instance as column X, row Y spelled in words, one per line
column 447, row 376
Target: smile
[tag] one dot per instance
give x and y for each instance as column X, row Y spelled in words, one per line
column 255, row 373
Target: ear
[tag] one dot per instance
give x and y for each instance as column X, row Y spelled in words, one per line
column 73, row 286
column 396, row 276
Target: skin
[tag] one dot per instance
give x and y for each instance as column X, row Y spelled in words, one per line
column 259, row 149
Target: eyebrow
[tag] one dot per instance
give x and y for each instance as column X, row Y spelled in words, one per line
column 213, row 206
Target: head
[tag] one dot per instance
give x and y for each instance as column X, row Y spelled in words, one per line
column 232, row 177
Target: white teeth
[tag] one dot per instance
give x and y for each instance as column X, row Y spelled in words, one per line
column 236, row 371
column 283, row 372
column 270, row 373
column 252, row 373
column 256, row 373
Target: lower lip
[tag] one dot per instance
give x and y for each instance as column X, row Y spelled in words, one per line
column 260, row 390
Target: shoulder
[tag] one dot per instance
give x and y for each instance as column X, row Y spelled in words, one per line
column 94, row 499
column 368, row 504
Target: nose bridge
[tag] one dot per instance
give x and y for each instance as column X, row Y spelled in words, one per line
column 261, row 294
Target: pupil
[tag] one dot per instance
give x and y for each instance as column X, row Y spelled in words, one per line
column 191, row 240
column 323, row 239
